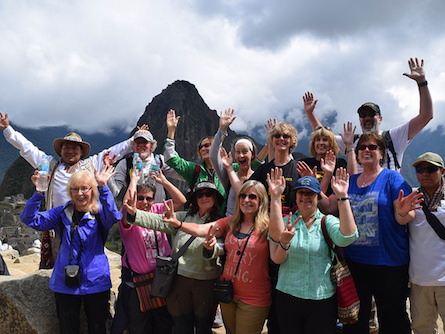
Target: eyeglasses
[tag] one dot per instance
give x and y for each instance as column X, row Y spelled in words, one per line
column 83, row 190
column 364, row 114
column 147, row 198
column 251, row 196
column 204, row 193
column 369, row 147
column 279, row 135
column 429, row 169
column 323, row 127
column 204, row 145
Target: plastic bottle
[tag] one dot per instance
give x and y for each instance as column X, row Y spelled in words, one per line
column 42, row 181
column 154, row 167
column 137, row 164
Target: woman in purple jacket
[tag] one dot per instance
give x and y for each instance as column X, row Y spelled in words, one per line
column 81, row 272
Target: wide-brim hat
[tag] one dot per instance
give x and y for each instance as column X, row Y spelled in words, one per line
column 431, row 158
column 72, row 137
column 308, row 182
column 209, row 186
column 370, row 105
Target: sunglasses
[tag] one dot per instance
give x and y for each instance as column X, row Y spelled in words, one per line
column 369, row 147
column 204, row 145
column 251, row 196
column 323, row 127
column 204, row 193
column 147, row 198
column 83, row 190
column 279, row 135
column 429, row 169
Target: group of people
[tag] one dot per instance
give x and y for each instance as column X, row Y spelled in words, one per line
column 258, row 224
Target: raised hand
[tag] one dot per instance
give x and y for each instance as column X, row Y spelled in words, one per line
column 289, row 230
column 106, row 173
column 309, row 102
column 172, row 120
column 210, row 241
column 143, row 127
column 226, row 159
column 348, row 135
column 226, row 119
column 130, row 202
column 417, row 70
column 328, row 163
column 304, row 170
column 4, row 121
column 109, row 160
column 405, row 204
column 169, row 214
column 159, row 177
column 276, row 182
column 340, row 183
column 270, row 124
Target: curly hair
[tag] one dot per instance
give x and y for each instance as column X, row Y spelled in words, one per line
column 284, row 128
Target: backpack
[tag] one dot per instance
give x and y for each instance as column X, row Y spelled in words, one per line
column 390, row 146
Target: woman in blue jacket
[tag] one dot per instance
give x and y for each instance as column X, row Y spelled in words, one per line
column 81, row 272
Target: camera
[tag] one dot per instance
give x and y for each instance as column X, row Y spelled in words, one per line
column 72, row 275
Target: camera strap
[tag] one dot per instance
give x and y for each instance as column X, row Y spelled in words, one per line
column 74, row 224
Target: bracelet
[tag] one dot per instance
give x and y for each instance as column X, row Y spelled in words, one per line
column 423, row 84
column 285, row 248
column 180, row 225
column 343, row 199
column 349, row 150
column 406, row 214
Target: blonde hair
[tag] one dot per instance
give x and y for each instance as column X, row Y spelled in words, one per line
column 87, row 177
column 261, row 221
column 284, row 128
column 323, row 132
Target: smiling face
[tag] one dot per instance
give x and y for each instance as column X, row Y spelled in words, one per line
column 145, row 200
column 206, row 200
column 70, row 153
column 369, row 153
column 249, row 202
column 243, row 155
column 81, row 194
column 369, row 120
column 307, row 200
column 143, row 147
column 281, row 142
column 204, row 148
column 321, row 145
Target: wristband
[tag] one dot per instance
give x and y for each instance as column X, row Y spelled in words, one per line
column 349, row 150
column 180, row 225
column 285, row 248
column 406, row 214
column 423, row 84
column 343, row 199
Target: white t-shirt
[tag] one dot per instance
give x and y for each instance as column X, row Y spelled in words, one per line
column 399, row 136
column 427, row 250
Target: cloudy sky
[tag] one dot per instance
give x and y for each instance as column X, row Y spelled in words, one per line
column 97, row 64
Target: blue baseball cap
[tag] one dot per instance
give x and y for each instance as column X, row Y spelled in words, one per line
column 308, row 182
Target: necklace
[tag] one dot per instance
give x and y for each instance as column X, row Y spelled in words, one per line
column 372, row 177
column 240, row 240
column 309, row 222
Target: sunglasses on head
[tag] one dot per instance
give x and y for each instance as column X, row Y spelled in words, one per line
column 279, row 135
column 323, row 127
column 429, row 169
column 251, row 196
column 204, row 193
column 204, row 145
column 147, row 198
column 371, row 147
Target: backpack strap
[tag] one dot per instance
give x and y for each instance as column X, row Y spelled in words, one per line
column 195, row 176
column 389, row 144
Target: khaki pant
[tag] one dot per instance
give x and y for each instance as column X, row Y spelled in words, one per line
column 242, row 318
column 427, row 302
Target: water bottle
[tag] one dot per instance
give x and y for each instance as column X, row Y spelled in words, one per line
column 156, row 165
column 42, row 180
column 137, row 164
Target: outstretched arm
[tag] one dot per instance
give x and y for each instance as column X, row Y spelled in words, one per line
column 172, row 123
column 4, row 121
column 340, row 185
column 348, row 139
column 277, row 184
column 177, row 197
column 404, row 206
column 309, row 106
column 278, row 253
column 426, row 104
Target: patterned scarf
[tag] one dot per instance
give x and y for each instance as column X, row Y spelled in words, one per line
column 433, row 202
